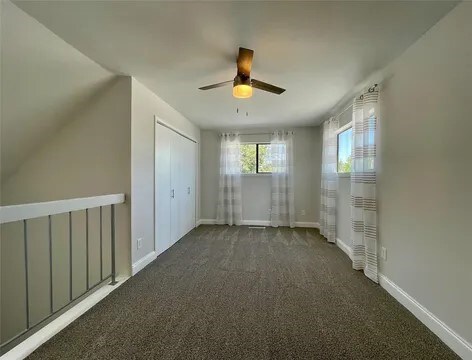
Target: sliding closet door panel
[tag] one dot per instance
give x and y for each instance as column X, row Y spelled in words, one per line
column 188, row 176
column 191, row 183
column 183, row 189
column 162, row 187
column 176, row 165
column 186, row 185
column 193, row 199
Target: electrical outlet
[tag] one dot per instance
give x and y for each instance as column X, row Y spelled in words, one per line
column 383, row 253
column 303, row 213
column 140, row 243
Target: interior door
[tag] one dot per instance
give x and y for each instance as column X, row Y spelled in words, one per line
column 192, row 179
column 163, row 139
column 187, row 212
column 176, row 187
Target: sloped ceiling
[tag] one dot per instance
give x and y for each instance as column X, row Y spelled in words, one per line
column 45, row 82
column 316, row 50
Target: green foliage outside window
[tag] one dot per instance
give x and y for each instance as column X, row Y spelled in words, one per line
column 249, row 162
column 344, row 166
column 345, row 151
column 248, row 158
column 265, row 166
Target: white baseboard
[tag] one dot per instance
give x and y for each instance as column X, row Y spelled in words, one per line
column 444, row 332
column 206, row 222
column 344, row 247
column 26, row 347
column 256, row 222
column 314, row 225
column 260, row 223
column 143, row 262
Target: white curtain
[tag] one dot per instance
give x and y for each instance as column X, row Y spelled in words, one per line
column 363, row 184
column 281, row 157
column 329, row 180
column 229, row 209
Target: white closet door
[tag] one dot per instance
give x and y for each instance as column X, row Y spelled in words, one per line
column 175, row 187
column 191, row 185
column 163, row 187
column 188, row 187
column 177, row 194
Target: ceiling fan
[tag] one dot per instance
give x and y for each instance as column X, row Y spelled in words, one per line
column 242, row 83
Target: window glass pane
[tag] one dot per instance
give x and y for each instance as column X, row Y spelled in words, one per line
column 265, row 165
column 344, row 151
column 248, row 158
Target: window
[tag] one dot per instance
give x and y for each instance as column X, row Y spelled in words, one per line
column 344, row 151
column 255, row 159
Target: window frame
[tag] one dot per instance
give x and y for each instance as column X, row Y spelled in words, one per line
column 257, row 173
column 339, row 132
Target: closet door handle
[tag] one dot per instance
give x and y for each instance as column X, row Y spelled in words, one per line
column 172, row 193
column 188, row 190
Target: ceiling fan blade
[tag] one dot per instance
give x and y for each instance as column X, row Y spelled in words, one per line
column 214, row 86
column 245, row 61
column 266, row 87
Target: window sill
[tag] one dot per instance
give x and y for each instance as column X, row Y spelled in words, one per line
column 250, row 175
column 344, row 175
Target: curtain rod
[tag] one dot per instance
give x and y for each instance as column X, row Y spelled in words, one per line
column 342, row 112
column 371, row 89
column 262, row 133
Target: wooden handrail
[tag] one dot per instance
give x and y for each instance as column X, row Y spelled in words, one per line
column 13, row 213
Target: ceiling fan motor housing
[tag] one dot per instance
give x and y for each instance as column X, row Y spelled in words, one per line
column 241, row 79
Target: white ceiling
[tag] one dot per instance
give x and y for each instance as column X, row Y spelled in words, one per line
column 318, row 51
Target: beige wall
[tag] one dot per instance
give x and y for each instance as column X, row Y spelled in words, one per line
column 424, row 171
column 77, row 115
column 256, row 188
column 425, row 178
column 146, row 104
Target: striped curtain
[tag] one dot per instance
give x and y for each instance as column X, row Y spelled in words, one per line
column 229, row 209
column 363, row 184
column 282, row 196
column 329, row 180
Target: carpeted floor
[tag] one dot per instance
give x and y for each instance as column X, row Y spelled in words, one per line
column 238, row 293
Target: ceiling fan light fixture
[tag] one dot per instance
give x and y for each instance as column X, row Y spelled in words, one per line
column 242, row 83
column 242, row 91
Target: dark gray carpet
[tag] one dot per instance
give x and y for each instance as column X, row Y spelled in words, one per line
column 237, row 293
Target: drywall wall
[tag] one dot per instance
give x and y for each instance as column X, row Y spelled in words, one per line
column 425, row 177
column 146, row 105
column 256, row 188
column 45, row 81
column 84, row 152
column 424, row 174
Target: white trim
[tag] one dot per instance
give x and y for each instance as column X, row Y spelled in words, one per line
column 206, row 222
column 26, row 347
column 314, row 225
column 344, row 247
column 260, row 223
column 343, row 128
column 257, row 175
column 143, row 262
column 35, row 210
column 256, row 222
column 173, row 128
column 344, row 175
column 444, row 332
